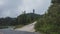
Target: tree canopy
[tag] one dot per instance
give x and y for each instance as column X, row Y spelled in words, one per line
column 50, row 22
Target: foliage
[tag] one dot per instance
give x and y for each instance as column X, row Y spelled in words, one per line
column 27, row 18
column 50, row 22
column 56, row 1
column 2, row 27
column 8, row 21
column 20, row 21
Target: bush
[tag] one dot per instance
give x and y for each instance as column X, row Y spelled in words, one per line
column 50, row 23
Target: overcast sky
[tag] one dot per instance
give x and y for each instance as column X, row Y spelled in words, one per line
column 14, row 8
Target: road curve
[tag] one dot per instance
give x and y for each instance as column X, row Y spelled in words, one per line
column 29, row 27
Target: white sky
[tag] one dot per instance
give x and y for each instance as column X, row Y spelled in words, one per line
column 14, row 8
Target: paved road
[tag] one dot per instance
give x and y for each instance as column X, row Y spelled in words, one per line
column 29, row 28
column 6, row 31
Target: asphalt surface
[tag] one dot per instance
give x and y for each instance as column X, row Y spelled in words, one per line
column 5, row 31
column 28, row 29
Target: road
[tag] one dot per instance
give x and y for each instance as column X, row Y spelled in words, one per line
column 6, row 31
column 29, row 27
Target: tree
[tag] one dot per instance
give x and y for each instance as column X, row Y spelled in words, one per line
column 50, row 22
column 27, row 18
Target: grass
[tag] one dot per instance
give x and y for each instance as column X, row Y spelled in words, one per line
column 18, row 26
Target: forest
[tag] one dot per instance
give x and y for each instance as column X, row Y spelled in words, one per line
column 23, row 19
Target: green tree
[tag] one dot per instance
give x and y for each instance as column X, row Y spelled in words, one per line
column 50, row 22
column 27, row 18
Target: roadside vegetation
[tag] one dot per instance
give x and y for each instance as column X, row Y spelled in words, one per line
column 50, row 22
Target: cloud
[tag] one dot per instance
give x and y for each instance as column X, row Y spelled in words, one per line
column 39, row 5
column 9, row 8
column 14, row 8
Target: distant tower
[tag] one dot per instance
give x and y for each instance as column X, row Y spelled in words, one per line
column 33, row 11
column 24, row 12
